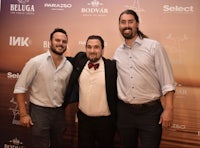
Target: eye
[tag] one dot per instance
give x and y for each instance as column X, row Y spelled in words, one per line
column 96, row 47
column 122, row 22
column 88, row 47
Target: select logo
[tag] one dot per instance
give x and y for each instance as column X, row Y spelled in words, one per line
column 178, row 9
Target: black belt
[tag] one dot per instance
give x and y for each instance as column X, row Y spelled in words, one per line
column 151, row 103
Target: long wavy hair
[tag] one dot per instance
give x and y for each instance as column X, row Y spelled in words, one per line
column 133, row 13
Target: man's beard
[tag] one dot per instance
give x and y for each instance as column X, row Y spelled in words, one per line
column 56, row 52
column 127, row 35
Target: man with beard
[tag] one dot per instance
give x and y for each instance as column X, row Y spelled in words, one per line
column 144, row 75
column 93, row 81
column 45, row 77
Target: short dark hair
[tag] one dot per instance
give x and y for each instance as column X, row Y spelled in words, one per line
column 133, row 13
column 58, row 30
column 96, row 37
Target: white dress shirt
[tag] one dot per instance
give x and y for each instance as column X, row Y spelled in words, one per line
column 92, row 91
column 144, row 71
column 47, row 83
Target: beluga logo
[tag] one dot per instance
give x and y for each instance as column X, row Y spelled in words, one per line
column 94, row 8
column 22, row 7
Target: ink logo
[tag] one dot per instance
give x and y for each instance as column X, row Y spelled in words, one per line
column 95, row 8
column 14, row 143
column 22, row 7
column 19, row 41
column 59, row 7
column 178, row 9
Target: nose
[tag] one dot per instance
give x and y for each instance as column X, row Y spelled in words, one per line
column 92, row 49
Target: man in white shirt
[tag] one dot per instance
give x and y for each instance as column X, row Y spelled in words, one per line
column 45, row 77
column 94, row 81
column 144, row 75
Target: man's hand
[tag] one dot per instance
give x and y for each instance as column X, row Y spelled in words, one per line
column 166, row 118
column 26, row 120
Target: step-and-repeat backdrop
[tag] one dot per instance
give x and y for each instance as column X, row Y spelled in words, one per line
column 25, row 26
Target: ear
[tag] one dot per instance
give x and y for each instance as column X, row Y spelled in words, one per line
column 102, row 51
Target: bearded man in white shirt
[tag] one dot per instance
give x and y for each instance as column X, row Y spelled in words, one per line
column 144, row 75
column 45, row 77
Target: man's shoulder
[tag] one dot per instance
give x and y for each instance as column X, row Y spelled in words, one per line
column 80, row 54
column 109, row 62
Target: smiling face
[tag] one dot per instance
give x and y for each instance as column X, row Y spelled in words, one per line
column 58, row 43
column 128, row 26
column 94, row 50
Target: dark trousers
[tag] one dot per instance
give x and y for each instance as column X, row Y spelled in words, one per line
column 49, row 126
column 95, row 131
column 140, row 122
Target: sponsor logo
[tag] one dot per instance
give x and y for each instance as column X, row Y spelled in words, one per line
column 46, row 44
column 11, row 75
column 136, row 7
column 19, row 41
column 176, row 47
column 81, row 42
column 22, row 7
column 177, row 9
column 58, row 6
column 14, row 143
column 15, row 111
column 178, row 126
column 94, row 8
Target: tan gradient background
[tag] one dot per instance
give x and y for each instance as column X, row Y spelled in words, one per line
column 178, row 31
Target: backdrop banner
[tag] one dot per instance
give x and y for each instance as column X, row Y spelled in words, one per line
column 26, row 26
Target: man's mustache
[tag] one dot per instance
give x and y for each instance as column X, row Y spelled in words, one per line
column 60, row 46
column 127, row 28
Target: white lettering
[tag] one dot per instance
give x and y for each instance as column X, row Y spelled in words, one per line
column 94, row 10
column 81, row 42
column 46, row 44
column 168, row 8
column 178, row 126
column 18, row 41
column 57, row 5
column 11, row 75
column 23, row 8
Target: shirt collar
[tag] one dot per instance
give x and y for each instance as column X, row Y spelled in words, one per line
column 137, row 41
column 48, row 53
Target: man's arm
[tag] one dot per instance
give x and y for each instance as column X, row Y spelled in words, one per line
column 167, row 115
column 25, row 118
